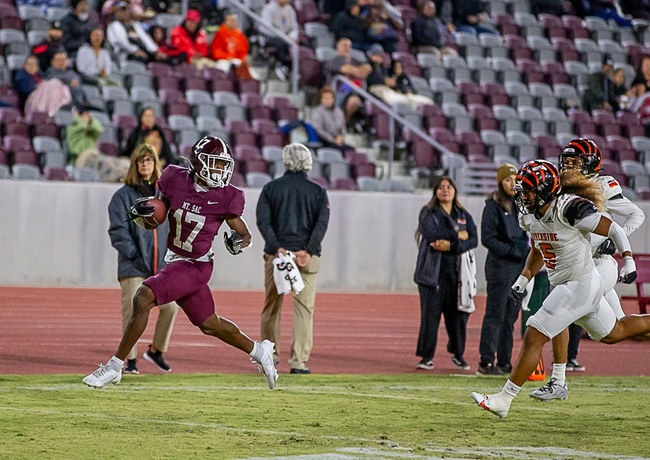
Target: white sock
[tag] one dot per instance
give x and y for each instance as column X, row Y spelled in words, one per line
column 256, row 353
column 559, row 373
column 115, row 363
column 510, row 390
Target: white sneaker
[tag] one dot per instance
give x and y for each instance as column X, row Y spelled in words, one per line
column 492, row 403
column 551, row 391
column 103, row 376
column 266, row 365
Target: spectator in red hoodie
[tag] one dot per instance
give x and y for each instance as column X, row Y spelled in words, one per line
column 190, row 38
column 230, row 47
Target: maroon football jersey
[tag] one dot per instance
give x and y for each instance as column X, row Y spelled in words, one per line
column 195, row 216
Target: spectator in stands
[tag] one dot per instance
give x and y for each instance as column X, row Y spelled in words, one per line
column 404, row 86
column 137, row 10
column 76, row 27
column 381, row 27
column 59, row 69
column 596, row 95
column 429, row 33
column 28, row 78
column 82, row 134
column 94, row 61
column 282, row 17
column 349, row 24
column 470, row 16
column 332, row 7
column 618, row 96
column 355, row 70
column 642, row 79
column 554, row 7
column 174, row 55
column 329, row 121
column 607, row 9
column 144, row 133
column 445, row 231
column 230, row 48
column 128, row 36
column 191, row 39
column 636, row 8
column 391, row 85
column 45, row 50
column 159, row 6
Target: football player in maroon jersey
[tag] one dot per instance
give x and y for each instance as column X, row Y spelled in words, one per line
column 199, row 200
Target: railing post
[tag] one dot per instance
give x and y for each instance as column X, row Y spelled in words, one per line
column 391, row 151
column 295, row 75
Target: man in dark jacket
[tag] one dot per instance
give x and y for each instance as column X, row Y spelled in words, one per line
column 507, row 246
column 46, row 49
column 292, row 215
column 350, row 24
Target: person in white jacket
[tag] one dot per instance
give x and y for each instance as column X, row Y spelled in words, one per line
column 126, row 36
column 281, row 15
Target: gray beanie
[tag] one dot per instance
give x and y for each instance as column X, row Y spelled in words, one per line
column 296, row 157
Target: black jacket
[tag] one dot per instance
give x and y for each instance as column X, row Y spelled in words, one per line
column 75, row 32
column 136, row 247
column 293, row 213
column 434, row 224
column 425, row 31
column 502, row 235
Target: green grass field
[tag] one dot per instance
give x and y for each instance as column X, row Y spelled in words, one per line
column 334, row 417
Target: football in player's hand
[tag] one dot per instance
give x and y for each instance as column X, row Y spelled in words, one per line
column 158, row 216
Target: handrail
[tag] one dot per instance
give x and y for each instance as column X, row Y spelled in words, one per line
column 394, row 115
column 295, row 47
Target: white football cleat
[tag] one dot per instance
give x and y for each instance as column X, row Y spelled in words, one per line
column 552, row 390
column 492, row 403
column 103, row 376
column 266, row 364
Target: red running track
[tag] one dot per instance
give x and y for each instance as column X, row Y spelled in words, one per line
column 71, row 330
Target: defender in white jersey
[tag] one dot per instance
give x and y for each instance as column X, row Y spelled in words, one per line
column 558, row 225
column 582, row 157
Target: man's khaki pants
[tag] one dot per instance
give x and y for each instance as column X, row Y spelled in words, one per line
column 303, row 312
column 166, row 316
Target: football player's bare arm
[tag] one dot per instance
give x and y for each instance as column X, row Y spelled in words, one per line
column 241, row 228
column 534, row 263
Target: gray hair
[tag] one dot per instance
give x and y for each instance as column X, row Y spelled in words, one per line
column 296, row 157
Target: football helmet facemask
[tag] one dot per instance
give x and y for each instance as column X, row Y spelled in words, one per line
column 584, row 150
column 212, row 161
column 537, row 183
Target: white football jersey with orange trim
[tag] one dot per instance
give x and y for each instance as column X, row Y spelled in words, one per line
column 566, row 250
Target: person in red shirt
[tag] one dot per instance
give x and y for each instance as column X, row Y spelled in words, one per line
column 190, row 38
column 230, row 47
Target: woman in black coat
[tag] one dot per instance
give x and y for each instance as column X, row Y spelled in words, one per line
column 507, row 246
column 447, row 229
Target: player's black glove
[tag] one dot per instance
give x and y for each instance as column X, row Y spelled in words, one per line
column 607, row 247
column 141, row 209
column 232, row 242
column 518, row 291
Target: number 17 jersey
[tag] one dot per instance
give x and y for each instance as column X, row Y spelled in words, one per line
column 196, row 214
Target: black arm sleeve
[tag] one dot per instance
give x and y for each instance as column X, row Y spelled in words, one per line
column 579, row 209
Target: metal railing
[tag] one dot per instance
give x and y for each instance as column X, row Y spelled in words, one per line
column 295, row 47
column 393, row 117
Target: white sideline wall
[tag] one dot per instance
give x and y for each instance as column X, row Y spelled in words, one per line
column 55, row 234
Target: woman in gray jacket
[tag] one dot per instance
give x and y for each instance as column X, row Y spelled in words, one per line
column 329, row 121
column 140, row 252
